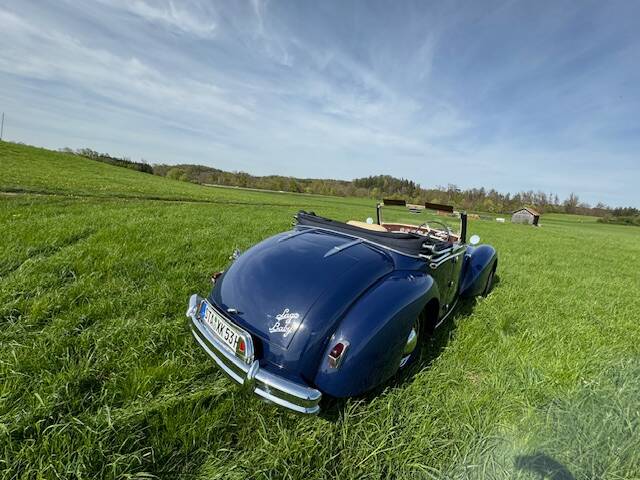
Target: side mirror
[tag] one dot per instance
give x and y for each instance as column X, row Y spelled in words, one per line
column 370, row 220
column 474, row 240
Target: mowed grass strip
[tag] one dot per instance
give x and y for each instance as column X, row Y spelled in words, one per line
column 100, row 378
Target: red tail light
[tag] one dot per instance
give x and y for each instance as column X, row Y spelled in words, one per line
column 337, row 353
column 241, row 346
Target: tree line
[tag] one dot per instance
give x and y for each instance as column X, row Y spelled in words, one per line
column 106, row 158
column 380, row 186
column 622, row 216
column 377, row 187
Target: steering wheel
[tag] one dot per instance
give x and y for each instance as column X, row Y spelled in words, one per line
column 438, row 222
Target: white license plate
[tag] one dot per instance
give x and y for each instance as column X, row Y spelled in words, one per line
column 220, row 327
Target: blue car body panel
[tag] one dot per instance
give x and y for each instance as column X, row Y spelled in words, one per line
column 299, row 292
column 479, row 261
column 377, row 329
column 294, row 274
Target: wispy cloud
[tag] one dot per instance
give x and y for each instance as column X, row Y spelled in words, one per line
column 201, row 22
column 127, row 80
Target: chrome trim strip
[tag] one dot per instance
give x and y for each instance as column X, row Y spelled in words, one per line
column 295, row 234
column 442, row 253
column 438, row 255
column 338, row 360
column 446, row 315
column 283, row 392
column 344, row 246
column 440, row 261
column 230, row 369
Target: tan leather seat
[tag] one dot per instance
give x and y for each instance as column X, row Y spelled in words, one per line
column 367, row 226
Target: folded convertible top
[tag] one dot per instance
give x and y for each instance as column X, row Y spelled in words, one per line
column 409, row 243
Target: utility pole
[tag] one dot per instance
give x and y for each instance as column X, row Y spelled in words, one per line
column 2, row 127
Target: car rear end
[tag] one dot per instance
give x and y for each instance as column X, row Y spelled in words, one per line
column 269, row 318
column 233, row 350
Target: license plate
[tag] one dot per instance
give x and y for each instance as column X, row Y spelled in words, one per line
column 220, row 327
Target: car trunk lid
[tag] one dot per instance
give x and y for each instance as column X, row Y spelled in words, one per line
column 272, row 288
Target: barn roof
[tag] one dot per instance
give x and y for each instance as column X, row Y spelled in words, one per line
column 528, row 209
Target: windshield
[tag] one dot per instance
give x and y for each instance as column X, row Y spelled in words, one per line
column 408, row 217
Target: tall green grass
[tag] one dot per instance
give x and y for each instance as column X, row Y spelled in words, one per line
column 99, row 377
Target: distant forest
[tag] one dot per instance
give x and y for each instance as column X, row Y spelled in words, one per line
column 378, row 187
column 385, row 186
column 106, row 158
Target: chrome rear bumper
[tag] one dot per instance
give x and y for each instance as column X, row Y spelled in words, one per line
column 270, row 387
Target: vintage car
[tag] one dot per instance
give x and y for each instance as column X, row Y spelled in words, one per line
column 336, row 309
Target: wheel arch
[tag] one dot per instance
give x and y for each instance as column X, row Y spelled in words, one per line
column 479, row 261
column 376, row 328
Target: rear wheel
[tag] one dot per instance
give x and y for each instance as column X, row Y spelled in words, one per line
column 422, row 328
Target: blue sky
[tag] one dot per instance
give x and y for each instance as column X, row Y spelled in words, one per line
column 541, row 95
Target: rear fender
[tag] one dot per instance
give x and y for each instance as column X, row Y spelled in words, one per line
column 479, row 261
column 376, row 327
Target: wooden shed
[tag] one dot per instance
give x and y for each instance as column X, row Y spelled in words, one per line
column 526, row 215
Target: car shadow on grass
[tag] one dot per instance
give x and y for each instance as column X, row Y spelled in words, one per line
column 544, row 466
column 332, row 409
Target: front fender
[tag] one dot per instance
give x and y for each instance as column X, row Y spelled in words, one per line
column 478, row 263
column 376, row 327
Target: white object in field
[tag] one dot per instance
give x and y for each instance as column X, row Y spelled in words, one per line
column 370, row 220
column 474, row 240
column 500, row 220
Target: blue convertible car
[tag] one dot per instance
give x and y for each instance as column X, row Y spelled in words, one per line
column 335, row 309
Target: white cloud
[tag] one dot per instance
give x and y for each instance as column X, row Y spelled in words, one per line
column 51, row 55
column 365, row 115
column 199, row 23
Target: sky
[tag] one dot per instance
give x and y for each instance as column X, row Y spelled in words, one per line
column 532, row 95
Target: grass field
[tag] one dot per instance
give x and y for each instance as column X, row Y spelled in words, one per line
column 100, row 378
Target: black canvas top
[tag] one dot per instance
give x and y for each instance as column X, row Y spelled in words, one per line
column 409, row 243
